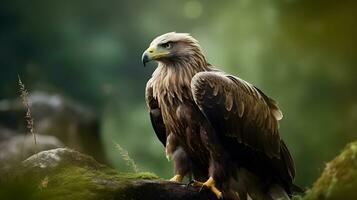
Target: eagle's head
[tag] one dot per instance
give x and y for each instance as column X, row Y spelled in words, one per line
column 173, row 48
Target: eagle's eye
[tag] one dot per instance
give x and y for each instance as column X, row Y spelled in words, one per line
column 166, row 45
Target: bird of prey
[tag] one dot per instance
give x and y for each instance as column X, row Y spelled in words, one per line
column 218, row 129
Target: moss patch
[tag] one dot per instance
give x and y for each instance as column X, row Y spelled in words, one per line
column 339, row 179
column 67, row 174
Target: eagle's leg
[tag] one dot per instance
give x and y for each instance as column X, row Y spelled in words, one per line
column 181, row 164
column 211, row 185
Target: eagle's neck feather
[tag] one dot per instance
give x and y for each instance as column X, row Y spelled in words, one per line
column 171, row 85
column 172, row 80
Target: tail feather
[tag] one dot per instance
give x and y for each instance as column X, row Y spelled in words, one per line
column 276, row 192
column 248, row 186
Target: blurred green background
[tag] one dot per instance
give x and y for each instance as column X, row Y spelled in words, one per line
column 302, row 53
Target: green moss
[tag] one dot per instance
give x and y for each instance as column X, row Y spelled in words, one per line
column 73, row 182
column 339, row 179
column 69, row 183
column 67, row 174
column 140, row 175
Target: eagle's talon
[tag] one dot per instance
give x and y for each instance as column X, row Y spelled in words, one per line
column 210, row 184
column 201, row 188
column 190, row 183
column 177, row 178
column 195, row 183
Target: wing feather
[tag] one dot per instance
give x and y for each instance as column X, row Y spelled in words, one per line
column 155, row 115
column 237, row 109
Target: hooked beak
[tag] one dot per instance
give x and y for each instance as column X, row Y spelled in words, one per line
column 152, row 54
column 145, row 58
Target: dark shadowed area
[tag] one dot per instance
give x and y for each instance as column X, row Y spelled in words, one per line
column 301, row 53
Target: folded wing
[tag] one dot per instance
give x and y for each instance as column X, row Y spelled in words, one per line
column 239, row 110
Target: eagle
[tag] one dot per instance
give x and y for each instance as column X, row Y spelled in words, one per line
column 218, row 129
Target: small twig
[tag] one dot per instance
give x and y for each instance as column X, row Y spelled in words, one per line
column 125, row 155
column 28, row 116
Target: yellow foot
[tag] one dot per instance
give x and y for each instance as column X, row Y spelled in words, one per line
column 195, row 183
column 177, row 178
column 210, row 184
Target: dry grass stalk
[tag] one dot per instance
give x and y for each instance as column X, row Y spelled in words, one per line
column 125, row 155
column 28, row 116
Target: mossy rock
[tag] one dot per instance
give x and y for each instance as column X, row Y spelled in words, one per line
column 67, row 174
column 339, row 179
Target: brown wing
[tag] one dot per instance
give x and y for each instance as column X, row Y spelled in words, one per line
column 155, row 115
column 239, row 110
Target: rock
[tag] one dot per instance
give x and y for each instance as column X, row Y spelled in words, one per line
column 16, row 147
column 67, row 174
column 339, row 179
column 73, row 124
